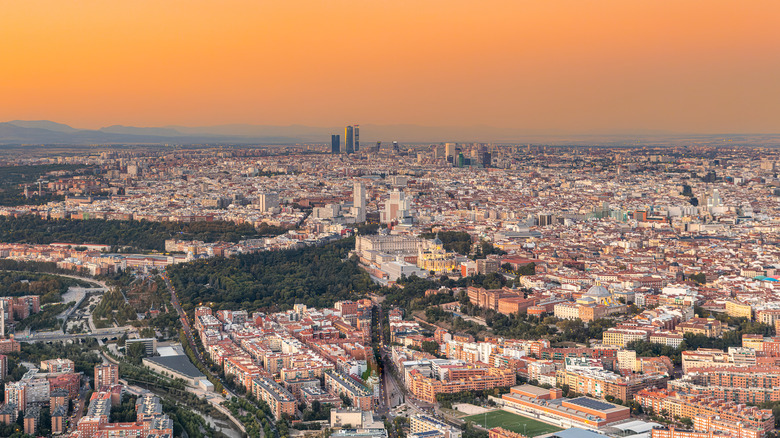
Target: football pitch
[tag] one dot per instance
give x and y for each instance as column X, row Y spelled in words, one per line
column 512, row 422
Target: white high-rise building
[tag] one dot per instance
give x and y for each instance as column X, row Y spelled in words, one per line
column 714, row 199
column 450, row 149
column 359, row 201
column 397, row 207
column 268, row 201
column 15, row 393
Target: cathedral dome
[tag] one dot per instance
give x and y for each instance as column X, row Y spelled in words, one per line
column 598, row 291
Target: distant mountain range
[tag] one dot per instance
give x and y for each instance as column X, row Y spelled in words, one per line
column 48, row 132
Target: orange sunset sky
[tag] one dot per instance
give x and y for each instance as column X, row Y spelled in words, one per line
column 575, row 66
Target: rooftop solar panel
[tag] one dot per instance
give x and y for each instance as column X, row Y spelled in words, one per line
column 591, row 403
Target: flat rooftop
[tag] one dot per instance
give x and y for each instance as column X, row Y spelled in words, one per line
column 531, row 389
column 575, row 432
column 592, row 404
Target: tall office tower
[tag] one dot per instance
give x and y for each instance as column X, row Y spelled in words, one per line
column 356, row 131
column 449, row 150
column 395, row 147
column 359, row 201
column 544, row 219
column 268, row 201
column 378, row 146
column 335, row 143
column 397, row 207
column 487, row 159
column 349, row 141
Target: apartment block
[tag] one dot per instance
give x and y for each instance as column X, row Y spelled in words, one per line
column 278, row 399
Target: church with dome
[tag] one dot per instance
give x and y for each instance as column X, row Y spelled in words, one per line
column 435, row 258
column 597, row 302
column 595, row 295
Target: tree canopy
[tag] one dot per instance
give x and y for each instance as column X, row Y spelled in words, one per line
column 13, row 179
column 315, row 276
column 454, row 241
column 139, row 235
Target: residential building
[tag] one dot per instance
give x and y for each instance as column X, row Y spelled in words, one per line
column 106, row 374
column 278, row 399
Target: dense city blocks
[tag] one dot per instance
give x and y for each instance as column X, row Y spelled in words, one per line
column 524, row 291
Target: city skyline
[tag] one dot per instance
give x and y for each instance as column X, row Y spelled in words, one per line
column 539, row 66
column 562, row 222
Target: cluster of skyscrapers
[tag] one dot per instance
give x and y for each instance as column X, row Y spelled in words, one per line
column 351, row 141
column 451, row 152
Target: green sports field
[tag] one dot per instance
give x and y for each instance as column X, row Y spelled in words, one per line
column 513, row 422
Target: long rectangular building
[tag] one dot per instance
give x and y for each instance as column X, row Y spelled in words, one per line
column 681, row 405
column 601, row 383
column 423, row 425
column 549, row 405
column 243, row 368
column 671, row 432
column 752, row 384
column 426, row 388
column 713, row 358
column 279, row 399
column 339, row 383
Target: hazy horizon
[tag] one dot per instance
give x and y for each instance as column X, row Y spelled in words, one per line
column 563, row 67
column 568, row 66
column 51, row 132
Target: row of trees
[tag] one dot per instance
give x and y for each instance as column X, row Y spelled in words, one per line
column 18, row 265
column 138, row 235
column 517, row 326
column 523, row 326
column 218, row 388
column 473, row 397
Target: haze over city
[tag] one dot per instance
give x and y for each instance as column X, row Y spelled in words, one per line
column 563, row 67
